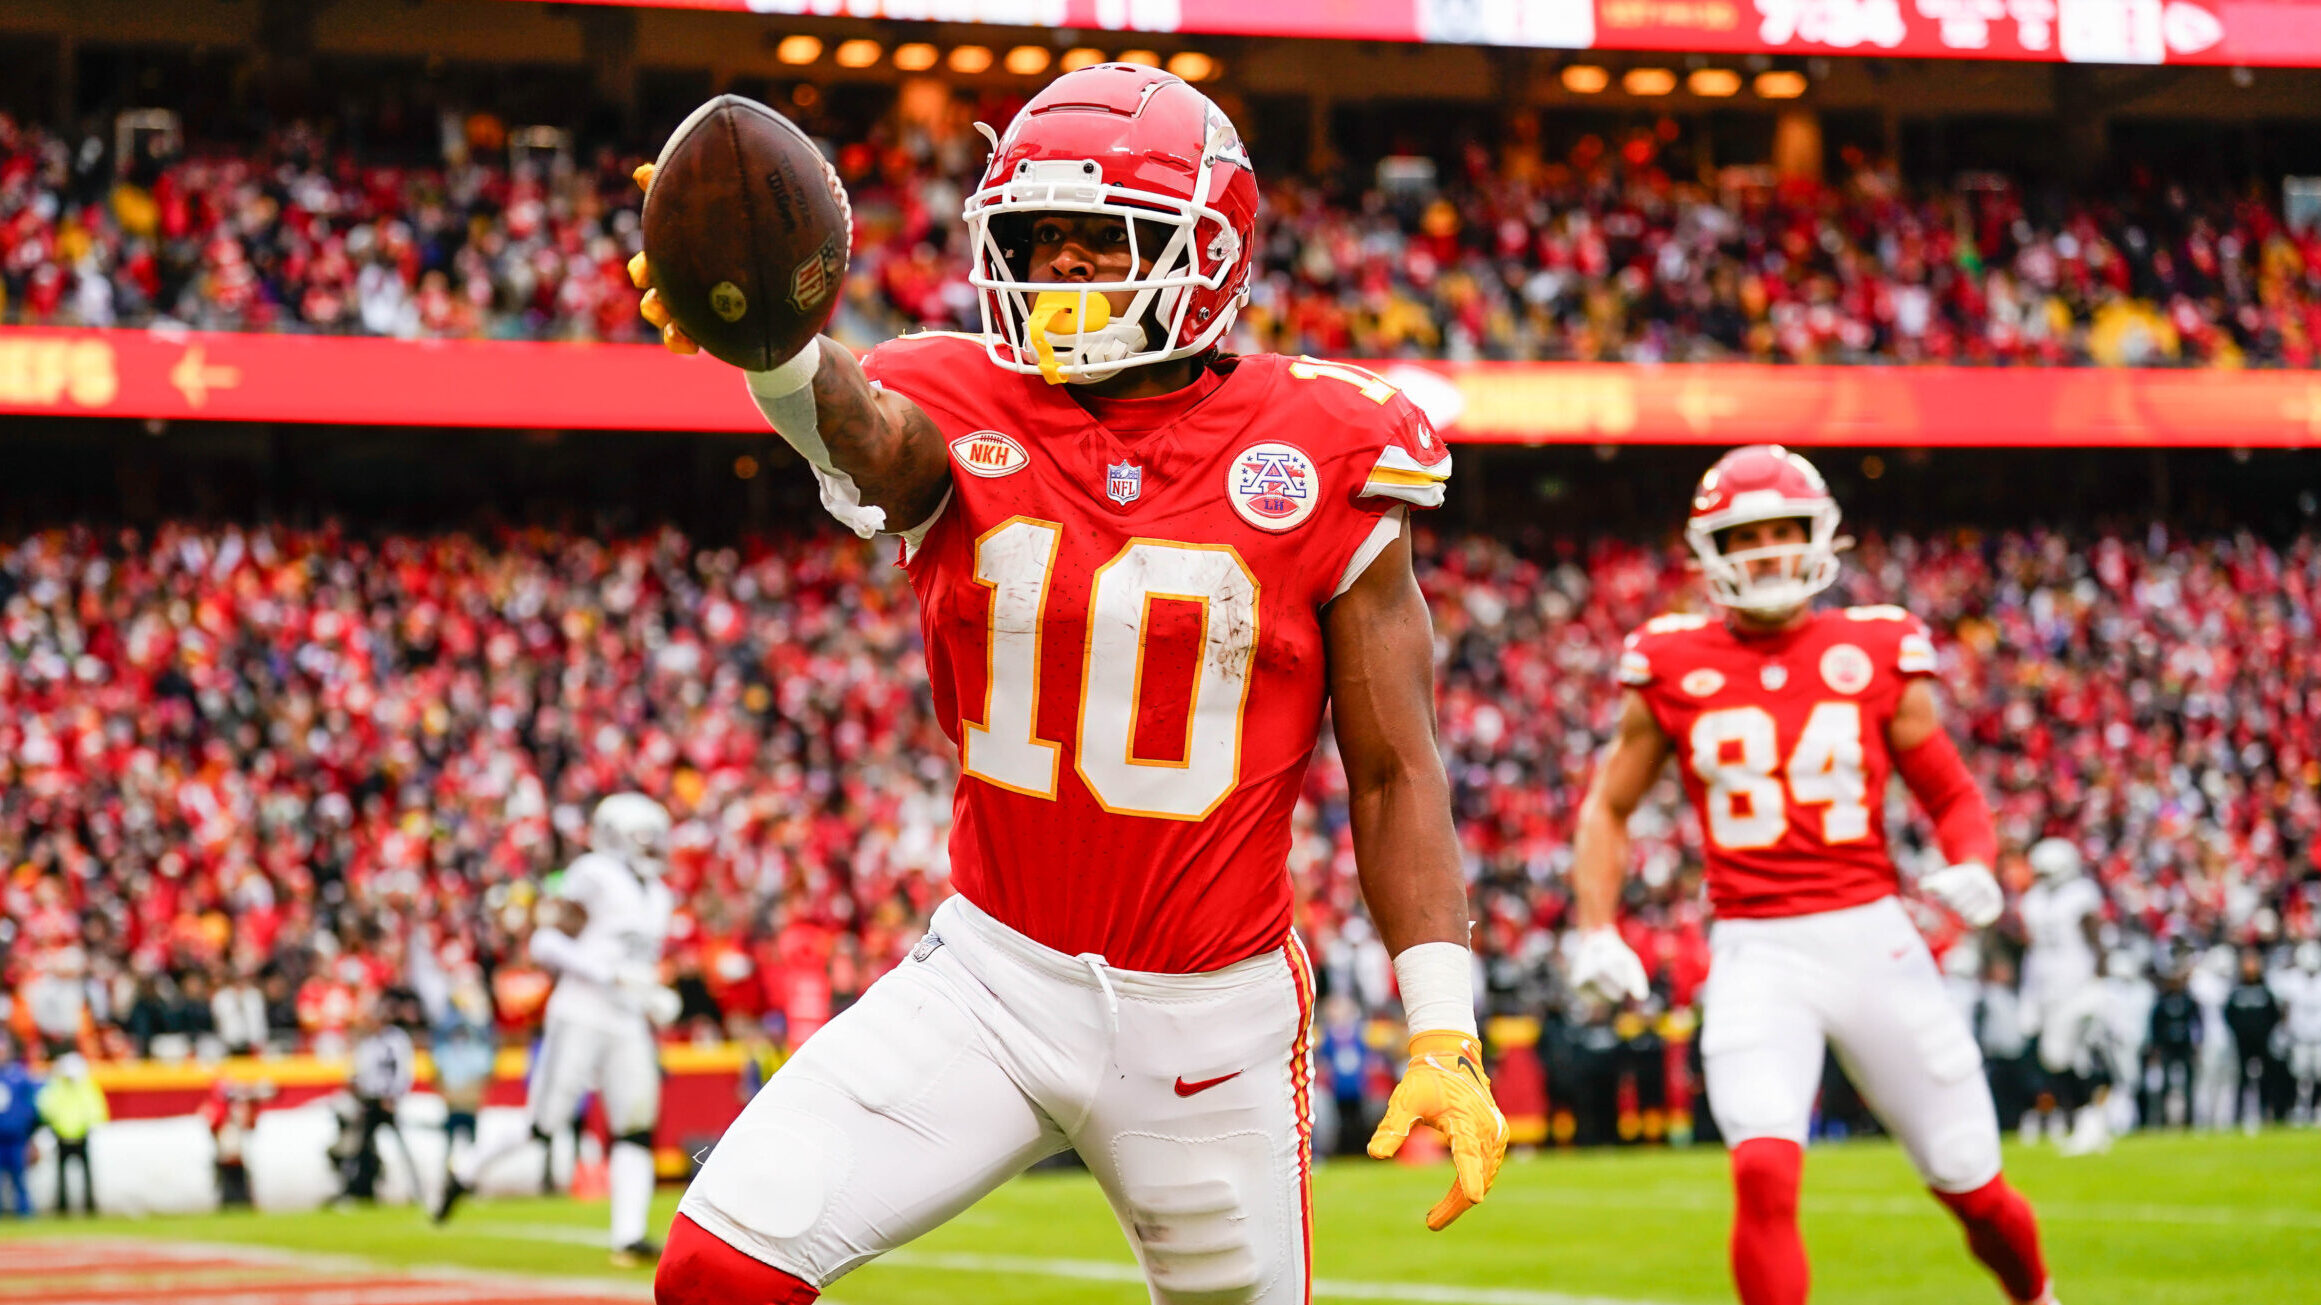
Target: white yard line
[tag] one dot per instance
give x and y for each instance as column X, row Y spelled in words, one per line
column 1124, row 1272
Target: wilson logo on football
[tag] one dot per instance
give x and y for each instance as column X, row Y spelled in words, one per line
column 988, row 453
column 1273, row 486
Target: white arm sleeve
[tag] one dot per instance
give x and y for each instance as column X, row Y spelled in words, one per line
column 561, row 952
column 785, row 398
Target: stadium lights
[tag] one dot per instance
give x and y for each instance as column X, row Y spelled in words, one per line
column 1083, row 57
column 799, row 48
column 1780, row 85
column 1714, row 83
column 1193, row 66
column 1648, row 81
column 1027, row 61
column 1146, row 57
column 858, row 53
column 915, row 56
column 970, row 59
column 1585, row 79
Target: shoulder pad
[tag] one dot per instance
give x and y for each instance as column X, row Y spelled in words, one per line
column 1376, row 429
column 1674, row 623
column 927, row 354
column 1913, row 644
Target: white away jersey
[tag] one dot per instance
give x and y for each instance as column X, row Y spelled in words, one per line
column 628, row 920
column 2056, row 942
column 2300, row 996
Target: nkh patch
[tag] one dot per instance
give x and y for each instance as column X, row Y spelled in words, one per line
column 1123, row 482
column 989, row 453
column 1273, row 486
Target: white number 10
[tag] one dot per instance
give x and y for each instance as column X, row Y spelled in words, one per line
column 1746, row 806
column 1016, row 561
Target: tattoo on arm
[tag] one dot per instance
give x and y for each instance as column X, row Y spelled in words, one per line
column 884, row 441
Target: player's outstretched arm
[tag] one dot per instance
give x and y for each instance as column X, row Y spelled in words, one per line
column 870, row 448
column 1381, row 651
column 1600, row 962
column 1933, row 771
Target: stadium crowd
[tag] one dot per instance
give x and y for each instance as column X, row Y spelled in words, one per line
column 253, row 780
column 1605, row 252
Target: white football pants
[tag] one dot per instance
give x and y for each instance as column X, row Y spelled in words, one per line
column 1187, row 1096
column 577, row 1057
column 1860, row 981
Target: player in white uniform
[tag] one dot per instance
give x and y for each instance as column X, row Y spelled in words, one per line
column 2299, row 989
column 2062, row 923
column 602, row 933
column 2216, row 1081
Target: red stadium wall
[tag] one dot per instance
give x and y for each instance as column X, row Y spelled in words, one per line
column 700, row 1089
column 2261, row 32
column 530, row 386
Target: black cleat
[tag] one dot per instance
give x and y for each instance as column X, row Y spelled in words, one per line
column 453, row 1189
column 636, row 1255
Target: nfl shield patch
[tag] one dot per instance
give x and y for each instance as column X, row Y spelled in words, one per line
column 1123, row 482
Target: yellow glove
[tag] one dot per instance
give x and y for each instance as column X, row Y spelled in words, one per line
column 1445, row 1088
column 673, row 337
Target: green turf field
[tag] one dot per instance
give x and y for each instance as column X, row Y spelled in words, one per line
column 2159, row 1221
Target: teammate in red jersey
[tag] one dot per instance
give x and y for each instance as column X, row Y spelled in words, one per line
column 1786, row 722
column 1143, row 568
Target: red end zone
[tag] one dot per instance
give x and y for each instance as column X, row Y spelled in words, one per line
column 78, row 1272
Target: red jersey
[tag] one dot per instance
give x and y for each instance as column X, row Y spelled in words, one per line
column 1781, row 740
column 1124, row 636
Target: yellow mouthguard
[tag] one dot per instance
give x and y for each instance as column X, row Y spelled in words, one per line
column 1059, row 311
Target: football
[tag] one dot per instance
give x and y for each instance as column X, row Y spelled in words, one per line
column 747, row 232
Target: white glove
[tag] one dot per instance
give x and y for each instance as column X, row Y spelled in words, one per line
column 642, row 984
column 1967, row 888
column 1603, row 966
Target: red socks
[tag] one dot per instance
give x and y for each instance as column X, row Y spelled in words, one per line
column 2003, row 1234
column 1768, row 1252
column 698, row 1269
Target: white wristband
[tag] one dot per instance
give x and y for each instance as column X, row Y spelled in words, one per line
column 1438, row 988
column 790, row 377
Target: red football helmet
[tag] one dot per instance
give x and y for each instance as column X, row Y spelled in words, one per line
column 1764, row 482
column 1134, row 143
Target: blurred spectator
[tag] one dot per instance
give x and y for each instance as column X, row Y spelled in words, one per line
column 238, row 1013
column 2254, row 1014
column 2175, row 1043
column 2009, row 1058
column 1352, row 1066
column 19, row 1117
column 379, row 1080
column 231, row 1111
column 1612, row 252
column 71, row 1105
column 464, row 1061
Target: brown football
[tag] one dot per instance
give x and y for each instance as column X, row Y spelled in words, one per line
column 746, row 232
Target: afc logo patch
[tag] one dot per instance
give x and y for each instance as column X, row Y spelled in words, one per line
column 1273, row 486
column 1123, row 482
column 1846, row 669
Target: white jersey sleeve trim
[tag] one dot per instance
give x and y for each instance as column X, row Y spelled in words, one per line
column 1398, row 475
column 1388, row 529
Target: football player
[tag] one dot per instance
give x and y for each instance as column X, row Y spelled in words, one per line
column 601, row 932
column 2299, row 987
column 1785, row 722
column 2062, row 914
column 1144, row 566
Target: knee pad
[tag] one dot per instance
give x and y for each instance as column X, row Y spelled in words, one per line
column 1767, row 1171
column 1963, row 1158
column 1196, row 1243
column 698, row 1269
